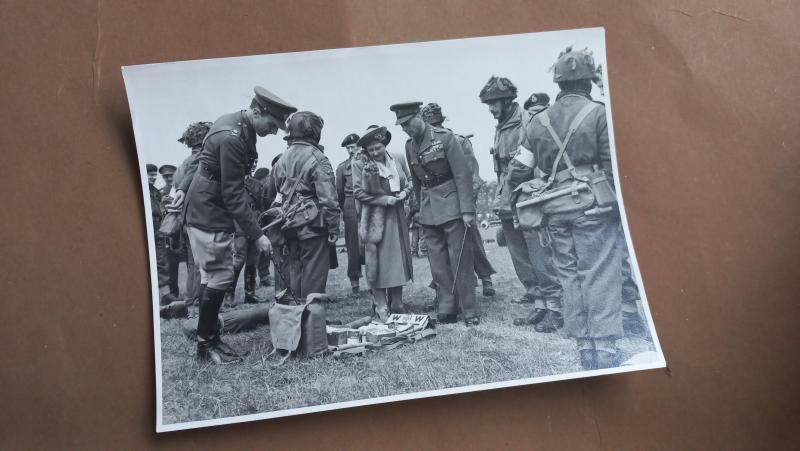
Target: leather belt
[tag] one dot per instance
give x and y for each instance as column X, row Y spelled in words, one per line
column 432, row 180
column 581, row 170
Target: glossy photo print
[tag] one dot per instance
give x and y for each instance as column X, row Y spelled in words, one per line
column 339, row 228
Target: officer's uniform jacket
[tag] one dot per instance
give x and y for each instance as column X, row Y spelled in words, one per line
column 217, row 199
column 255, row 196
column 472, row 162
column 507, row 138
column 344, row 180
column 441, row 177
column 316, row 182
column 165, row 190
column 588, row 145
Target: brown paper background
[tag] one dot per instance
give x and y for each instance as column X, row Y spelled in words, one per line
column 707, row 129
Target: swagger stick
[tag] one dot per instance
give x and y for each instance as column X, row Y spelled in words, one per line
column 460, row 253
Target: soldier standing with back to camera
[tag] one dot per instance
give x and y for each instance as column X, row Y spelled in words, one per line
column 304, row 178
column 347, row 203
column 432, row 114
column 568, row 145
column 217, row 201
column 442, row 183
column 532, row 261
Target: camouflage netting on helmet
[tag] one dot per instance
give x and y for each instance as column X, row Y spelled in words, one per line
column 194, row 134
column 574, row 65
column 305, row 125
column 432, row 113
column 498, row 88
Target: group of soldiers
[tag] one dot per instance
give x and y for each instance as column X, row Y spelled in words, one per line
column 574, row 267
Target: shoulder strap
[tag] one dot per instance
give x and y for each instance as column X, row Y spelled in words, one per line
column 544, row 119
column 297, row 181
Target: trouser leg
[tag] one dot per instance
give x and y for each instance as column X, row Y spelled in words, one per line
column 351, row 239
column 415, row 241
column 162, row 270
column 520, row 257
column 192, row 274
column 541, row 258
column 439, row 260
column 309, row 263
column 483, row 268
column 566, row 265
column 263, row 268
column 599, row 263
column 173, row 261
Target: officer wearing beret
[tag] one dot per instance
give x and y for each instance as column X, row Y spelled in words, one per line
column 565, row 145
column 217, row 200
column 192, row 138
column 537, row 102
column 442, row 182
column 532, row 261
column 347, row 203
column 304, row 176
column 432, row 114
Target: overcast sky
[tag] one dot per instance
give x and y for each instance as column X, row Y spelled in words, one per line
column 349, row 88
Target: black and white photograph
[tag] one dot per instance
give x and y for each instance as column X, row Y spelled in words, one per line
column 345, row 227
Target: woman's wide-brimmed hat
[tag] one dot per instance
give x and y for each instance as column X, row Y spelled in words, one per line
column 379, row 134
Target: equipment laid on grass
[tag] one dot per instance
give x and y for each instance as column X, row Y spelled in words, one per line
column 398, row 329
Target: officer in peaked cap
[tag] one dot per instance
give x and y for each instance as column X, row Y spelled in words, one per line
column 533, row 262
column 167, row 172
column 444, row 197
column 216, row 201
column 537, row 102
column 432, row 114
column 347, row 203
column 565, row 145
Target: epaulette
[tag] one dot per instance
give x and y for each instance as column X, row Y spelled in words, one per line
column 597, row 101
column 440, row 130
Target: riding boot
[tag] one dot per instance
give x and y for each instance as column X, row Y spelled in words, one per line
column 208, row 341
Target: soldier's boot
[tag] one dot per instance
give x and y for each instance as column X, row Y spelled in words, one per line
column 551, row 322
column 606, row 353
column 208, row 342
column 396, row 300
column 354, row 287
column 632, row 323
column 265, row 282
column 488, row 288
column 177, row 309
column 534, row 317
column 250, row 285
column 472, row 321
column 587, row 353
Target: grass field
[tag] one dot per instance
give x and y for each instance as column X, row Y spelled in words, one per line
column 457, row 356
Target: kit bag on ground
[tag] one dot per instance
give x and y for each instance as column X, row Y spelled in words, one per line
column 572, row 189
column 298, row 329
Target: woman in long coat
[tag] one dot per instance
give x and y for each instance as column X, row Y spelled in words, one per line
column 381, row 190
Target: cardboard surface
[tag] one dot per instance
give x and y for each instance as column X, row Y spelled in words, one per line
column 706, row 121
